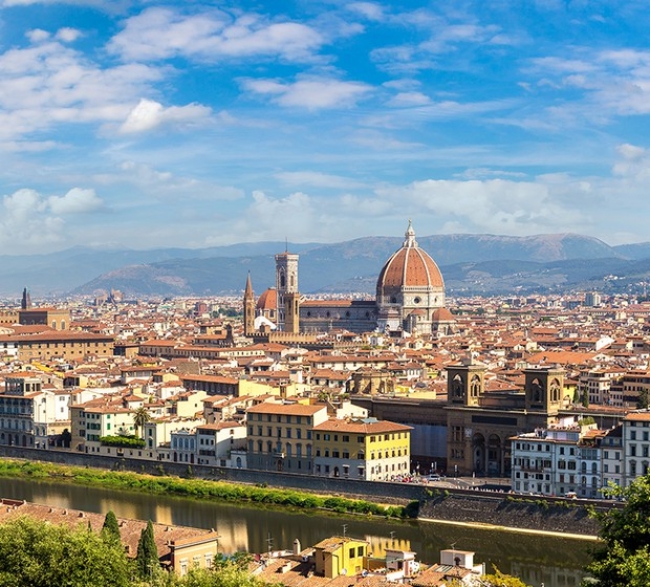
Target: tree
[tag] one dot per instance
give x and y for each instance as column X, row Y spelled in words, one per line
column 66, row 438
column 111, row 528
column 623, row 559
column 499, row 579
column 36, row 554
column 140, row 417
column 146, row 559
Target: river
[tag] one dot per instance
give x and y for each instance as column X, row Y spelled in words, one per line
column 553, row 562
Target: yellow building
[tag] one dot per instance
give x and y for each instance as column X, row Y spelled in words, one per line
column 280, row 435
column 58, row 344
column 364, row 448
column 339, row 556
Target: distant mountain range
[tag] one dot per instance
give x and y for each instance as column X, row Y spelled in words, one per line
column 471, row 264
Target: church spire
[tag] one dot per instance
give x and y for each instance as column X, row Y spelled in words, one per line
column 248, row 292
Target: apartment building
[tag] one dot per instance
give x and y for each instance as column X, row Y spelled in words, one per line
column 31, row 416
column 595, row 385
column 280, row 435
column 367, row 449
column 636, row 445
column 57, row 344
column 557, row 461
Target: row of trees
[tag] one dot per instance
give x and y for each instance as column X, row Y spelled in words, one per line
column 36, row 554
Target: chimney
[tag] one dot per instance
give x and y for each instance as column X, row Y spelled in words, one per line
column 297, row 547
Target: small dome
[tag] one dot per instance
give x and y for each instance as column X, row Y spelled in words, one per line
column 409, row 266
column 443, row 315
column 268, row 300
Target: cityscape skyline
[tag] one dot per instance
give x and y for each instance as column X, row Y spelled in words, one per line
column 149, row 124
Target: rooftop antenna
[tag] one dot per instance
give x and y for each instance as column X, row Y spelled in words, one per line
column 345, row 529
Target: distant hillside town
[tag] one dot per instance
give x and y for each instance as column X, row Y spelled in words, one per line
column 548, row 393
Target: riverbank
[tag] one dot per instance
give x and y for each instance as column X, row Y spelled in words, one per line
column 514, row 513
column 510, row 529
column 200, row 489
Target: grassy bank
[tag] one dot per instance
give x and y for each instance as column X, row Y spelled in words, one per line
column 198, row 489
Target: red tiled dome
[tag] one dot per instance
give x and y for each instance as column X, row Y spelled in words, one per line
column 410, row 266
column 268, row 300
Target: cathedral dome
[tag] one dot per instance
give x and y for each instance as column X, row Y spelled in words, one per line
column 411, row 284
column 408, row 267
column 268, row 300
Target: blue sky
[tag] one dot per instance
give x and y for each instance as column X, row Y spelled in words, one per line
column 148, row 124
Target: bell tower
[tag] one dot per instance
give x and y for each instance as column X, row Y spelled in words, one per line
column 286, row 277
column 249, row 308
column 465, row 383
column 544, row 390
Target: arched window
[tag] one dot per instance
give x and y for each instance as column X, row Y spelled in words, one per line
column 288, row 449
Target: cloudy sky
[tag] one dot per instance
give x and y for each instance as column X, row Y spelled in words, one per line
column 148, row 123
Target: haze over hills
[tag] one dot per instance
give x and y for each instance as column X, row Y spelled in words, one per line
column 470, row 264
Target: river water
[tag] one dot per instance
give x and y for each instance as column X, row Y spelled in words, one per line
column 553, row 562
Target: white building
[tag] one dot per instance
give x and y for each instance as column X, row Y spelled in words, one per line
column 557, row 461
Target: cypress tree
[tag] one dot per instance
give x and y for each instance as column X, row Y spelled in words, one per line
column 146, row 559
column 111, row 529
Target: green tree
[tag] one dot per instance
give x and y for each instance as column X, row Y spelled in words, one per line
column 36, row 554
column 228, row 574
column 499, row 579
column 146, row 559
column 111, row 528
column 623, row 559
column 140, row 417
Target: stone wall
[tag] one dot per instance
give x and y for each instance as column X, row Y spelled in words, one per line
column 453, row 505
column 513, row 511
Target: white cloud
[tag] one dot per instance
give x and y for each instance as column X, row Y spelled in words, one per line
column 68, row 34
column 494, row 206
column 76, row 201
column 164, row 185
column 408, row 99
column 161, row 33
column 313, row 93
column 369, row 10
column 148, row 114
column 29, row 221
column 37, row 35
column 49, row 83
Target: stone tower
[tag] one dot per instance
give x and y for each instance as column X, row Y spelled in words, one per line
column 249, row 308
column 26, row 302
column 292, row 313
column 544, row 390
column 286, row 276
column 465, row 383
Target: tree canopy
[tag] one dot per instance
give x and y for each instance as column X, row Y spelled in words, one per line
column 36, row 554
column 623, row 558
